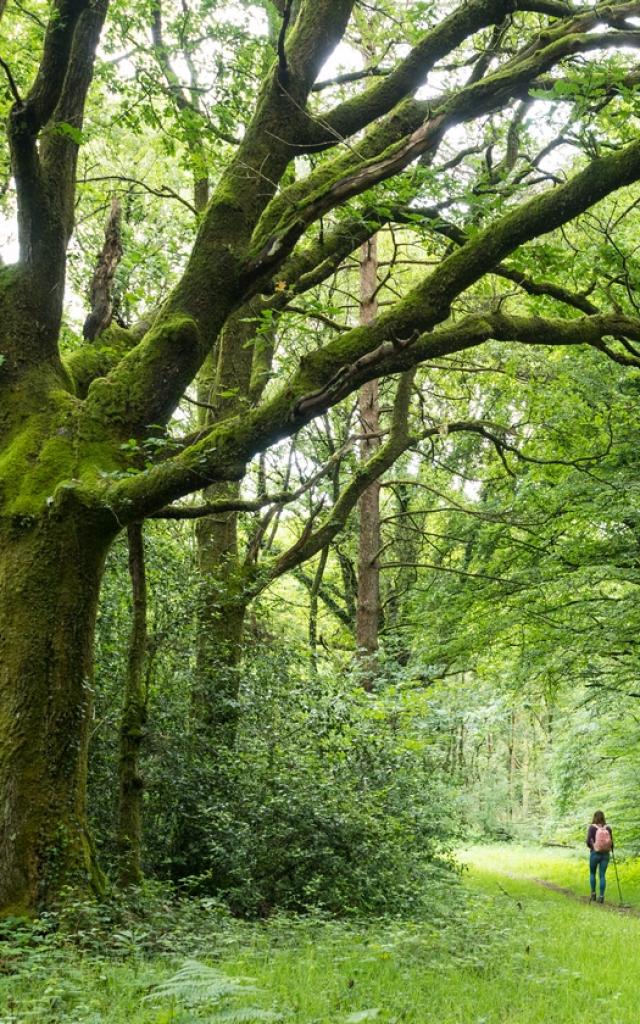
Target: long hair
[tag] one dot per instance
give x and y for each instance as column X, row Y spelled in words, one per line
column 599, row 818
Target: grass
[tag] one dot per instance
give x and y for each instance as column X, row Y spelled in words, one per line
column 568, row 868
column 500, row 949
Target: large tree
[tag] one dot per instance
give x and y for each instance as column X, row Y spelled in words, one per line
column 80, row 434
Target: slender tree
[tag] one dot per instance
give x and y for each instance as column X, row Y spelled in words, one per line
column 368, row 602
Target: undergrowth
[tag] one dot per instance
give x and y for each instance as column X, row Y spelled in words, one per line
column 497, row 948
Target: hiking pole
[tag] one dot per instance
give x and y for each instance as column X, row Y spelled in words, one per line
column 617, row 876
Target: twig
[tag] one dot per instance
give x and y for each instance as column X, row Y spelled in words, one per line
column 12, row 84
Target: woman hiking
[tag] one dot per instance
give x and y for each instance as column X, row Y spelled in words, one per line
column 600, row 842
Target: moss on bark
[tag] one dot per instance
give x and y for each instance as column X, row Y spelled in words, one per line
column 49, row 580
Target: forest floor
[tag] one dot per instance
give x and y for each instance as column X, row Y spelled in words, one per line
column 500, row 948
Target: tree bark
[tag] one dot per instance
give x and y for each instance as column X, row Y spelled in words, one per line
column 368, row 601
column 222, row 606
column 313, row 607
column 50, row 573
column 134, row 720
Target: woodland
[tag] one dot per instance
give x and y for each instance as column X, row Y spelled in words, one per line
column 319, row 509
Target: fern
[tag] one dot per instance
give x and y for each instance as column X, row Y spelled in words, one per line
column 199, row 985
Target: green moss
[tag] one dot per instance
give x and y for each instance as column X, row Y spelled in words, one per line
column 92, row 361
column 43, row 452
column 141, row 389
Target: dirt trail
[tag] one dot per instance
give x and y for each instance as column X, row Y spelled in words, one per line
column 614, row 905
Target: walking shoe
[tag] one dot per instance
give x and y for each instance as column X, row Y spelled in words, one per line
column 592, row 898
column 600, row 899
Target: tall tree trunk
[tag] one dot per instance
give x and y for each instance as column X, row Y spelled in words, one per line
column 222, row 607
column 406, row 543
column 368, row 602
column 50, row 573
column 313, row 607
column 222, row 603
column 512, row 765
column 134, row 720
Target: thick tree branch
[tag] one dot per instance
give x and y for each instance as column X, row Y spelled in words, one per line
column 221, row 507
column 46, row 90
column 45, row 178
column 313, row 541
column 196, row 312
column 98, row 358
column 355, row 114
column 524, row 281
column 391, row 343
column 414, row 130
column 211, row 287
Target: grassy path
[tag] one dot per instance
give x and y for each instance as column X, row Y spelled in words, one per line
column 564, row 868
column 503, row 949
column 582, row 960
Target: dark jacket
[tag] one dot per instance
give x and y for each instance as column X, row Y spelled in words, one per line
column 591, row 835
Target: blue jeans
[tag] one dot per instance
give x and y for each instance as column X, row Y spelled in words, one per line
column 599, row 861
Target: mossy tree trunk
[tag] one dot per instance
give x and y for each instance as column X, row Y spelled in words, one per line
column 222, row 606
column 222, row 595
column 49, row 580
column 134, row 719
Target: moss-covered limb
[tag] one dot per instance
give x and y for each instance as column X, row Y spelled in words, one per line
column 360, row 111
column 400, row 438
column 288, row 207
column 386, row 346
column 29, row 324
column 48, row 84
column 220, row 506
column 41, row 453
column 474, row 330
column 305, row 269
column 238, row 504
column 224, row 452
column 212, row 257
column 317, row 260
column 50, row 573
column 98, row 358
column 256, row 169
column 310, row 266
column 548, row 288
column 414, row 130
column 530, row 285
column 146, row 385
column 134, row 718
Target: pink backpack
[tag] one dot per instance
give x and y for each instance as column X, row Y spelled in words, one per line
column 602, row 841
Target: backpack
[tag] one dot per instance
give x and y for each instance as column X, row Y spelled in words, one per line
column 602, row 840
